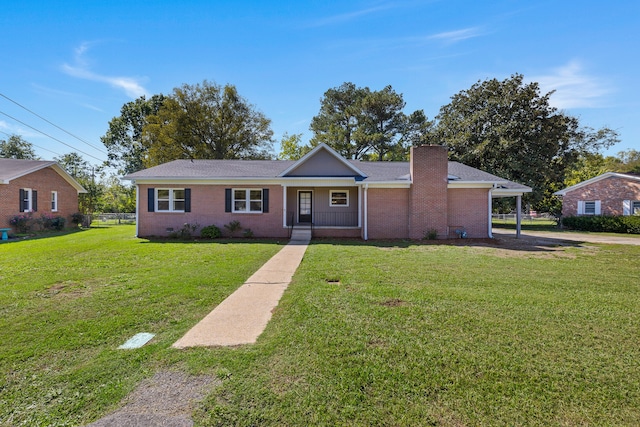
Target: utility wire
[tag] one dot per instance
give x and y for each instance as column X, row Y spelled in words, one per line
column 55, row 139
column 37, row 146
column 53, row 124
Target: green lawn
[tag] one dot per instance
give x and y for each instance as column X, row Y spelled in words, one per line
column 367, row 334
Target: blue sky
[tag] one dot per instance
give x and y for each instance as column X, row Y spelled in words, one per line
column 76, row 64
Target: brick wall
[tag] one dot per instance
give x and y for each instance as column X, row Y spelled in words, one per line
column 44, row 181
column 611, row 192
column 388, row 213
column 207, row 208
column 468, row 208
column 428, row 196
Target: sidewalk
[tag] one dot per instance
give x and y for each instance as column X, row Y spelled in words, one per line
column 244, row 315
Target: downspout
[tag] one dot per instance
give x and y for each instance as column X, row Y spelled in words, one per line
column 489, row 213
column 366, row 204
column 138, row 207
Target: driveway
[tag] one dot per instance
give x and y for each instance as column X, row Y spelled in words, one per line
column 574, row 236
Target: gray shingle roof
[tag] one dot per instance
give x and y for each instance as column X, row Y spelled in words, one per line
column 376, row 171
column 13, row 168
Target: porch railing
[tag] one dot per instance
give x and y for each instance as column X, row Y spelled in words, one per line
column 328, row 219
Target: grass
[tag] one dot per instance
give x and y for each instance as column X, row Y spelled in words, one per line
column 366, row 334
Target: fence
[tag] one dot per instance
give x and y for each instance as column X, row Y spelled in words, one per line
column 110, row 218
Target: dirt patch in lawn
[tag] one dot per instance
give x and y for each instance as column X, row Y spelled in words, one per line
column 167, row 399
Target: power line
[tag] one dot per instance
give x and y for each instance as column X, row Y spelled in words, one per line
column 53, row 124
column 37, row 146
column 47, row 135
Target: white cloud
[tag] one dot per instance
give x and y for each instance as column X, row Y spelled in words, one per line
column 81, row 69
column 573, row 87
column 457, row 35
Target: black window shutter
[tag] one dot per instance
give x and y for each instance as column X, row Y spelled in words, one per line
column 22, row 200
column 151, row 203
column 187, row 200
column 34, row 203
column 265, row 200
column 227, row 200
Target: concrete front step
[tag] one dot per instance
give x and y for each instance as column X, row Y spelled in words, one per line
column 301, row 234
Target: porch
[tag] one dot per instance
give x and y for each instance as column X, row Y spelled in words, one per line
column 323, row 207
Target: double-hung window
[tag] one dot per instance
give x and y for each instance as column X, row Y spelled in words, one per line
column 247, row 200
column 28, row 200
column 339, row 198
column 54, row 201
column 589, row 208
column 170, row 199
column 635, row 208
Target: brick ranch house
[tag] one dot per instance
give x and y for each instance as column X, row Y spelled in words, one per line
column 338, row 197
column 36, row 186
column 611, row 194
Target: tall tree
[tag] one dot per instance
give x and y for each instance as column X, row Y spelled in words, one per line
column 123, row 139
column 206, row 121
column 509, row 129
column 381, row 121
column 364, row 124
column 17, row 148
column 291, row 148
column 338, row 120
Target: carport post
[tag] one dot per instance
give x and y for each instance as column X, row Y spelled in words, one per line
column 518, row 215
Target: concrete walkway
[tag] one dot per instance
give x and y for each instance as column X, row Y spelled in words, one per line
column 244, row 315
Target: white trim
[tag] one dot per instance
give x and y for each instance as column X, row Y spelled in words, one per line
column 626, row 207
column 284, row 206
column 598, row 207
column 54, row 200
column 248, row 200
column 359, row 206
column 489, row 202
column 331, row 205
column 366, row 212
column 137, row 209
column 171, row 200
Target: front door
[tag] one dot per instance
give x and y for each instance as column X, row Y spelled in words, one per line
column 304, row 206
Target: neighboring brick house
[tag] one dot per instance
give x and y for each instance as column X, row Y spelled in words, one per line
column 339, row 197
column 36, row 186
column 611, row 193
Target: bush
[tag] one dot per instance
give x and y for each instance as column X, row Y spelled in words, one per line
column 186, row 231
column 22, row 222
column 602, row 223
column 76, row 218
column 210, row 232
column 51, row 222
column 247, row 233
column 233, row 226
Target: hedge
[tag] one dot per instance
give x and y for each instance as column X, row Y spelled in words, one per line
column 610, row 224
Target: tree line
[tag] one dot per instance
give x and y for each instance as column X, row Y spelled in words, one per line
column 507, row 128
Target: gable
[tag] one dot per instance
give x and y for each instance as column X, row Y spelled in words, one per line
column 620, row 180
column 322, row 161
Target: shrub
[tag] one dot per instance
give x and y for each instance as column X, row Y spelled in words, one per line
column 431, row 234
column 51, row 222
column 602, row 223
column 22, row 222
column 187, row 230
column 233, row 226
column 76, row 218
column 247, row 233
column 210, row 232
